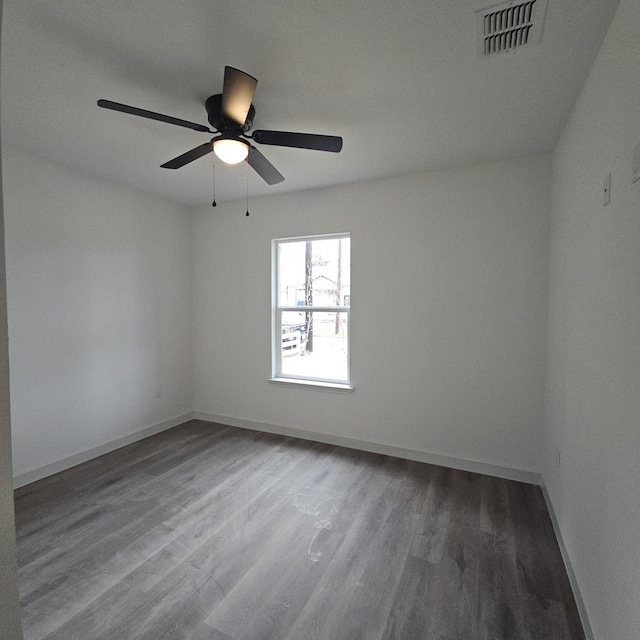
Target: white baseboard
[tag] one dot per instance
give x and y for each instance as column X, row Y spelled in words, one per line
column 573, row 578
column 520, row 475
column 38, row 473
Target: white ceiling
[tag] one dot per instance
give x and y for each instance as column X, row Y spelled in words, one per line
column 399, row 80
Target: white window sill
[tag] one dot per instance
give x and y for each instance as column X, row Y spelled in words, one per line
column 336, row 387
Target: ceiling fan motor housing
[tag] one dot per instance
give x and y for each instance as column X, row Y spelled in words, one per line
column 213, row 106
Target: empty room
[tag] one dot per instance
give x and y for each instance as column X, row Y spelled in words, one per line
column 321, row 320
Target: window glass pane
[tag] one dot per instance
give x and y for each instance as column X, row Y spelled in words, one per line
column 314, row 345
column 314, row 273
column 291, row 262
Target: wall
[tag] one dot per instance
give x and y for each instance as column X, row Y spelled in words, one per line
column 593, row 380
column 99, row 301
column 593, row 403
column 10, row 626
column 449, row 277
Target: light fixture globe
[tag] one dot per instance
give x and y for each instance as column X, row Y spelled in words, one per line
column 231, row 150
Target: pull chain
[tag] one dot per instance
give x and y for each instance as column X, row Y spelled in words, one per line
column 214, row 203
column 246, row 173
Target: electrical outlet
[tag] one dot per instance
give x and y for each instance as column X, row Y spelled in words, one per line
column 635, row 170
column 606, row 190
column 558, row 456
column 158, row 391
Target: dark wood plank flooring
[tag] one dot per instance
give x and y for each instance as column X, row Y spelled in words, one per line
column 207, row 532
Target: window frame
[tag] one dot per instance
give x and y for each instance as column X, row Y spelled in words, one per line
column 276, row 320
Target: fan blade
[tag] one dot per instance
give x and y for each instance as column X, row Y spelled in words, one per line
column 189, row 156
column 237, row 94
column 152, row 115
column 263, row 167
column 299, row 140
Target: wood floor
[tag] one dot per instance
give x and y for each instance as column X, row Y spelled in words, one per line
column 207, row 532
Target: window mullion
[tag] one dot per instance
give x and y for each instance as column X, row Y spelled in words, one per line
column 317, row 309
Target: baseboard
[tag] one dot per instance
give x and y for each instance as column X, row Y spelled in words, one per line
column 520, row 475
column 38, row 473
column 573, row 578
column 499, row 471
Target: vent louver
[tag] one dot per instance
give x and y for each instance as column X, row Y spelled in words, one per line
column 509, row 26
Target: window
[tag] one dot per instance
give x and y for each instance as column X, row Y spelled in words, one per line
column 311, row 302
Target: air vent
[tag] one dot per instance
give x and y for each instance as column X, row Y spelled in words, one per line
column 509, row 26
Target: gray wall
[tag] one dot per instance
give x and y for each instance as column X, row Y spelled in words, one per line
column 10, row 626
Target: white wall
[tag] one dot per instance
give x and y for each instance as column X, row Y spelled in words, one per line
column 593, row 381
column 99, row 302
column 449, row 277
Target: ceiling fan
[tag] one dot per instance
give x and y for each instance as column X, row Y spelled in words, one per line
column 231, row 115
